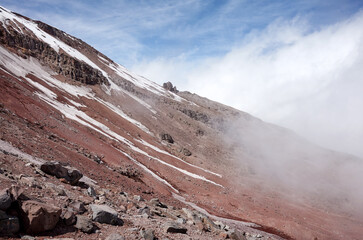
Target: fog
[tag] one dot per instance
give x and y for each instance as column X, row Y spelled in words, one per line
column 309, row 80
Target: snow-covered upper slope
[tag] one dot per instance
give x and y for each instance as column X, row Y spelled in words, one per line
column 23, row 25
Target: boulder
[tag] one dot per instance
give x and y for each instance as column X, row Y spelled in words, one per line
column 173, row 227
column 39, row 217
column 5, row 199
column 115, row 236
column 8, row 224
column 84, row 224
column 147, row 234
column 105, row 214
column 71, row 175
column 91, row 192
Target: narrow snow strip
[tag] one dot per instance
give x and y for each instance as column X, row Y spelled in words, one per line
column 202, row 210
column 76, row 104
column 148, row 170
column 193, row 175
column 166, row 153
column 7, row 147
column 119, row 112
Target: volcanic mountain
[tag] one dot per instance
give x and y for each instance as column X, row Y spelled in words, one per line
column 163, row 163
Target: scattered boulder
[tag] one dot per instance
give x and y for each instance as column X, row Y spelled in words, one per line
column 8, row 224
column 84, row 224
column 71, row 175
column 147, row 234
column 115, row 236
column 167, row 137
column 5, row 199
column 173, row 227
column 39, row 217
column 105, row 214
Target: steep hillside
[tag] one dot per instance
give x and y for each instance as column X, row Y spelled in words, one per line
column 134, row 141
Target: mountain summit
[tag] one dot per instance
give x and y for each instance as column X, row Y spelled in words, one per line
column 90, row 150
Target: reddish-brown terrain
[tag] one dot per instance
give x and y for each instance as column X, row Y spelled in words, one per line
column 61, row 100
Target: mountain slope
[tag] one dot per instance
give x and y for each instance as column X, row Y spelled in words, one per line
column 63, row 100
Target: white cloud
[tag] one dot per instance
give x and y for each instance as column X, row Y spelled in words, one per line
column 309, row 81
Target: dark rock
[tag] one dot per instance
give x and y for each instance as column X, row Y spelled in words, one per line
column 115, row 236
column 173, row 227
column 105, row 214
column 84, row 224
column 5, row 199
column 166, row 137
column 169, row 86
column 147, row 234
column 8, row 224
column 39, row 217
column 71, row 175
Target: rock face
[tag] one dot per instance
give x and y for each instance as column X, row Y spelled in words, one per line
column 8, row 224
column 5, row 199
column 105, row 214
column 62, row 63
column 84, row 224
column 173, row 227
column 71, row 175
column 39, row 217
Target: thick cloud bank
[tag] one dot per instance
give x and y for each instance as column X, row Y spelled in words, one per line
column 308, row 80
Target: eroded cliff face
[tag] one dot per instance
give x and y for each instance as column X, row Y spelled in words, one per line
column 28, row 45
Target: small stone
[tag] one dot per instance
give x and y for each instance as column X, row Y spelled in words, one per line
column 91, row 192
column 78, row 207
column 84, row 224
column 237, row 235
column 156, row 202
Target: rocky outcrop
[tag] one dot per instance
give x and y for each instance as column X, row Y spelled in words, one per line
column 169, row 86
column 166, row 137
column 60, row 62
column 198, row 116
column 71, row 175
column 39, row 217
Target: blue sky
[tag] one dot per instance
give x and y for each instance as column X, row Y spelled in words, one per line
column 134, row 31
column 290, row 62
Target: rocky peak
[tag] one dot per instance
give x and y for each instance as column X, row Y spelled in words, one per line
column 169, row 86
